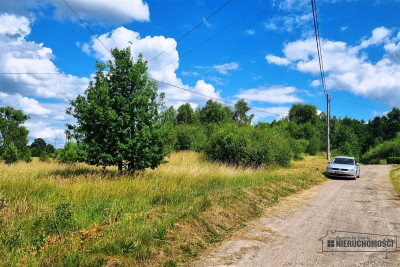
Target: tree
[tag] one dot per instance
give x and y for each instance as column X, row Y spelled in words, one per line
column 118, row 118
column 12, row 133
column 240, row 111
column 38, row 145
column 213, row 112
column 302, row 113
column 185, row 114
column 169, row 116
column 50, row 149
column 10, row 154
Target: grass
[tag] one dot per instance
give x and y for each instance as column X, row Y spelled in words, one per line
column 68, row 215
column 395, row 176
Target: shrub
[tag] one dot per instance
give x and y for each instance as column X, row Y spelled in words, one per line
column 382, row 151
column 27, row 157
column 44, row 157
column 190, row 137
column 249, row 146
column 10, row 154
column 393, row 160
column 71, row 153
column 313, row 145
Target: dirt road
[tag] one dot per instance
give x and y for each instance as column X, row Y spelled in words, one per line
column 289, row 234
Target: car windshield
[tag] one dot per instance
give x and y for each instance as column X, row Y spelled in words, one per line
column 343, row 161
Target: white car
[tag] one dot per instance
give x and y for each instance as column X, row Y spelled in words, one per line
column 343, row 166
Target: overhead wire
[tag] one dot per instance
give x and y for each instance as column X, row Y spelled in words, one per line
column 194, row 28
column 216, row 34
column 156, row 80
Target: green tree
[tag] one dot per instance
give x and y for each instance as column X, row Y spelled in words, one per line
column 118, row 119
column 38, row 145
column 185, row 114
column 213, row 112
column 169, row 116
column 302, row 113
column 240, row 112
column 12, row 133
column 50, row 149
column 10, row 154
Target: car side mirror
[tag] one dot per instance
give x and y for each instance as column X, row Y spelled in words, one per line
column 357, row 164
column 329, row 161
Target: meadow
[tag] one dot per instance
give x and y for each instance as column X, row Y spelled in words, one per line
column 69, row 215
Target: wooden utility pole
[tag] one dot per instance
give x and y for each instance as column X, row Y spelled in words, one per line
column 328, row 118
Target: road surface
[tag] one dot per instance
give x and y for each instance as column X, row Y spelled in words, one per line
column 289, row 233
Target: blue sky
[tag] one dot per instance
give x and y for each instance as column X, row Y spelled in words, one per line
column 268, row 58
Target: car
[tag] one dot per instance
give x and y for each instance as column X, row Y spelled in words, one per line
column 343, row 166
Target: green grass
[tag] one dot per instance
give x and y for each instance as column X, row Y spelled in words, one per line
column 395, row 176
column 68, row 215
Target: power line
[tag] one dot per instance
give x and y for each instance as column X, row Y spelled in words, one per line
column 354, row 102
column 195, row 27
column 178, row 87
column 216, row 34
column 87, row 27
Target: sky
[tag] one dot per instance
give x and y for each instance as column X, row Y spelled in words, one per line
column 262, row 51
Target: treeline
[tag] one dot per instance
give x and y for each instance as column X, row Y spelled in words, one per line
column 227, row 134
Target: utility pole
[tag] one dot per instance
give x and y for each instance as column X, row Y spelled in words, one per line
column 55, row 142
column 328, row 118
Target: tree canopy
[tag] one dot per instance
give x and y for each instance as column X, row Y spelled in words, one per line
column 12, row 133
column 119, row 118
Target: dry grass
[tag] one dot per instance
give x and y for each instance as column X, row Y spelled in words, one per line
column 54, row 214
column 395, row 176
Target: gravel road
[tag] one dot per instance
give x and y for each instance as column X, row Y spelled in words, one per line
column 289, row 233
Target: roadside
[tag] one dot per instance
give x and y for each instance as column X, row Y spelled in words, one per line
column 291, row 236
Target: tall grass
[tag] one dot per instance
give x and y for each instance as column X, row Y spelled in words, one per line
column 56, row 214
column 395, row 176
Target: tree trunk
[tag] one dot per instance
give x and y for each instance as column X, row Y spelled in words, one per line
column 120, row 167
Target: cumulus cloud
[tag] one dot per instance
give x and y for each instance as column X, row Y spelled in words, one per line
column 277, row 60
column 21, row 56
column 250, row 32
column 22, row 91
column 274, row 94
column 103, row 11
column 348, row 68
column 159, row 68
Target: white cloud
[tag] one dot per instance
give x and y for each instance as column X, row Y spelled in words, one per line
column 190, row 73
column 28, row 105
column 44, row 130
column 288, row 23
column 348, row 68
column 103, row 11
column 276, row 113
column 250, row 32
column 277, row 60
column 21, row 56
column 159, row 69
column 224, row 68
column 378, row 36
column 274, row 94
column 315, row 83
column 343, row 28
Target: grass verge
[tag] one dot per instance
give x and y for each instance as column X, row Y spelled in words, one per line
column 69, row 215
column 395, row 176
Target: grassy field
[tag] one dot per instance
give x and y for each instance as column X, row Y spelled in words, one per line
column 395, row 175
column 69, row 215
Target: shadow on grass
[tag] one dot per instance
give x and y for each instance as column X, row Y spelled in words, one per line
column 73, row 172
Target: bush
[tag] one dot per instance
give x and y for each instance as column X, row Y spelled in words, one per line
column 44, row 157
column 249, row 146
column 10, row 154
column 382, row 151
column 71, row 153
column 190, row 137
column 27, row 157
column 313, row 145
column 393, row 160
